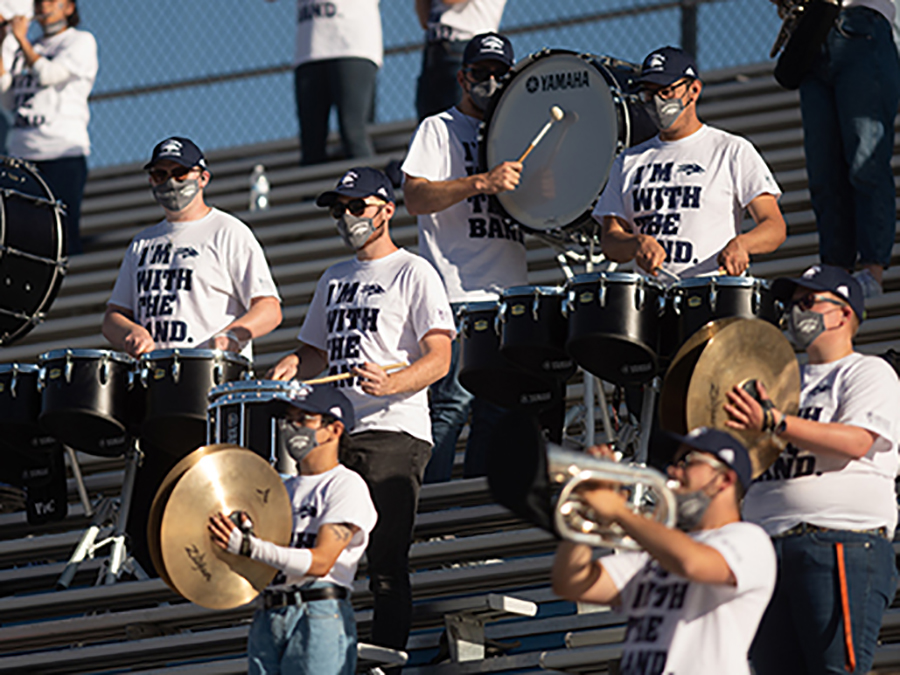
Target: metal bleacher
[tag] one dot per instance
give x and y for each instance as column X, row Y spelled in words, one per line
column 469, row 554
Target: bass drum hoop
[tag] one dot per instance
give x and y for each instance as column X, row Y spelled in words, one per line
column 620, row 112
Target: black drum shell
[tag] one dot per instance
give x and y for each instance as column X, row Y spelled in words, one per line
column 538, row 345
column 175, row 417
column 616, row 339
column 486, row 373
column 227, row 416
column 83, row 410
column 20, row 405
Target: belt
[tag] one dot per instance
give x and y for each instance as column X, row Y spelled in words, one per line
column 804, row 528
column 277, row 599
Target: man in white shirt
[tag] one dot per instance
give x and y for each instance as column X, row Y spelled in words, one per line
column 474, row 251
column 382, row 307
column 333, row 515
column 449, row 25
column 692, row 598
column 677, row 200
column 828, row 501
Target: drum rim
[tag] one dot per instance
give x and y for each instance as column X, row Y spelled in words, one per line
column 161, row 354
column 529, row 291
column 736, row 282
column 19, row 368
column 480, row 306
column 254, row 385
column 54, row 354
column 615, row 277
column 245, row 396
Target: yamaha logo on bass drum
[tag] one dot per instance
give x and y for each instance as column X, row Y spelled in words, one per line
column 572, row 79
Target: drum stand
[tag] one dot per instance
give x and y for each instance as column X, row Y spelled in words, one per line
column 109, row 520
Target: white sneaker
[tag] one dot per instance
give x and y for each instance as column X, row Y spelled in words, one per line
column 870, row 286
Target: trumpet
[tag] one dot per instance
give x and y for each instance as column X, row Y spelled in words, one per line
column 648, row 494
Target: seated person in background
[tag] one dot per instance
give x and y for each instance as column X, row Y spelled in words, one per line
column 676, row 201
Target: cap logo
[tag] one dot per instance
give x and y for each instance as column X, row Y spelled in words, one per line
column 492, row 44
column 843, row 290
column 336, row 412
column 349, row 179
column 690, row 71
column 656, row 61
column 727, row 455
column 382, row 191
column 812, row 271
column 170, row 147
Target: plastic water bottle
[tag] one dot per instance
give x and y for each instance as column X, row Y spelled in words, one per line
column 259, row 189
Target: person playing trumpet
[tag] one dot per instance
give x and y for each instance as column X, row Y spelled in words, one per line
column 700, row 589
column 383, row 306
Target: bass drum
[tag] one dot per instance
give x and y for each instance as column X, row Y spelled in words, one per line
column 32, row 248
column 565, row 173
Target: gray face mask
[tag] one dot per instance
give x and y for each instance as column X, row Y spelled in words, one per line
column 692, row 507
column 54, row 28
column 804, row 326
column 482, row 91
column 297, row 442
column 175, row 195
column 355, row 230
column 664, row 113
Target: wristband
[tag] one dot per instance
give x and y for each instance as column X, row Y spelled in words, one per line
column 235, row 542
column 781, row 427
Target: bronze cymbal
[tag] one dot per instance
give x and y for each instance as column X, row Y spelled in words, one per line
column 227, row 480
column 154, row 520
column 744, row 350
column 673, row 395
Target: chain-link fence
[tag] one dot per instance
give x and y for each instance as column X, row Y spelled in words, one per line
column 220, row 71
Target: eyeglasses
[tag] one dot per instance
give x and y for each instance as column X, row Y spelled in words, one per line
column 695, row 457
column 666, row 92
column 482, row 73
column 807, row 302
column 178, row 173
column 355, row 206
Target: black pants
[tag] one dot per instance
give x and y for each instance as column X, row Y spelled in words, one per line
column 66, row 178
column 392, row 464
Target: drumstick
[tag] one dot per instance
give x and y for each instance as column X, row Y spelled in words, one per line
column 556, row 114
column 669, row 274
column 344, row 376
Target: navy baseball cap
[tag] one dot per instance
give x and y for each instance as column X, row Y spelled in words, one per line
column 489, row 47
column 824, row 278
column 667, row 65
column 180, row 150
column 324, row 399
column 722, row 445
column 361, row 181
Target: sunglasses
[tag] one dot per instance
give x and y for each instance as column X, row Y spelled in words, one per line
column 807, row 302
column 694, row 457
column 161, row 175
column 664, row 93
column 482, row 73
column 355, row 206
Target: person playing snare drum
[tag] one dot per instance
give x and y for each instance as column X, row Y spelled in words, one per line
column 676, row 201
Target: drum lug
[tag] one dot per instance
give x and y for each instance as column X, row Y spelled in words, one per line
column 535, row 306
column 131, row 376
column 69, row 366
column 569, row 305
column 620, row 146
column 42, row 379
column 15, row 377
column 662, row 305
column 464, row 326
column 497, row 321
column 676, row 302
column 176, row 367
column 757, row 299
column 104, row 370
column 145, row 373
column 713, row 293
column 217, row 372
column 601, row 292
column 639, row 295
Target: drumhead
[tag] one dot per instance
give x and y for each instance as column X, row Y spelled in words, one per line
column 87, row 354
column 207, row 354
column 566, row 171
column 735, row 282
column 614, row 278
column 32, row 242
column 531, row 291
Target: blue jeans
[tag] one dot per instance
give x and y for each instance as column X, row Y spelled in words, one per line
column 66, row 177
column 348, row 84
column 450, row 405
column 849, row 100
column 306, row 639
column 437, row 88
column 802, row 630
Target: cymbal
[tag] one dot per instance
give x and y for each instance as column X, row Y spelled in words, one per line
column 226, row 479
column 163, row 493
column 672, row 398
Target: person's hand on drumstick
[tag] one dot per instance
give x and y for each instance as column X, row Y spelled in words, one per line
column 649, row 254
column 373, row 380
column 502, row 178
column 138, row 341
column 734, row 259
column 285, row 369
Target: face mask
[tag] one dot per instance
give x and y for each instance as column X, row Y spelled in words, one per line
column 175, row 195
column 355, row 230
column 692, row 507
column 482, row 91
column 664, row 113
column 54, row 28
column 297, row 442
column 804, row 326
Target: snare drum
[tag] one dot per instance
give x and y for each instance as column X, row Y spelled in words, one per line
column 177, row 382
column 533, row 330
column 485, row 372
column 89, row 399
column 245, row 413
column 614, row 321
column 692, row 303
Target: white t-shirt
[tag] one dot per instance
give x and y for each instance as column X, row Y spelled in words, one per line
column 50, row 121
column 678, row 627
column 474, row 251
column 463, row 20
column 689, row 194
column 378, row 311
column 184, row 282
column 844, row 494
column 338, row 496
column 334, row 29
